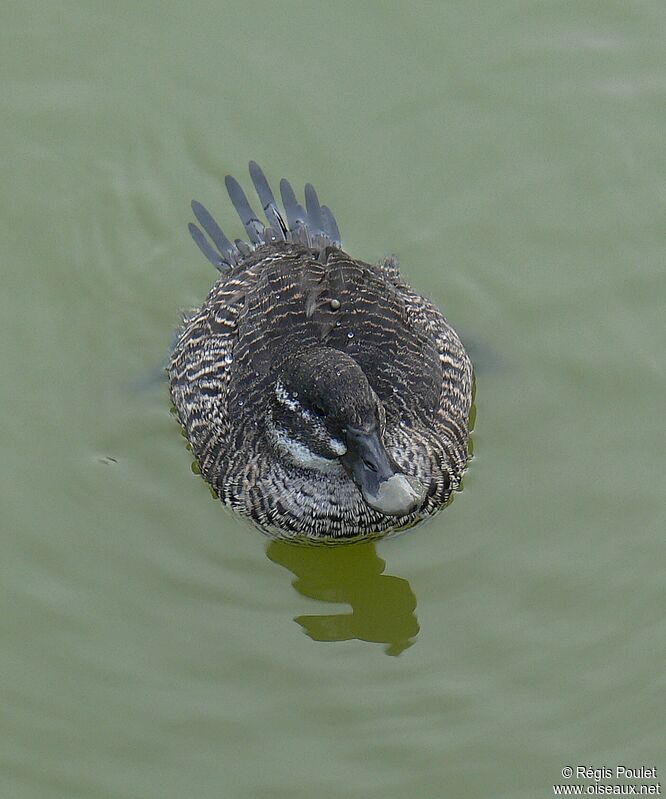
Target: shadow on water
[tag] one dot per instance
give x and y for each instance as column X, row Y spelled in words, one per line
column 382, row 605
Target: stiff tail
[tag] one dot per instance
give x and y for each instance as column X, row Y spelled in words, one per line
column 313, row 226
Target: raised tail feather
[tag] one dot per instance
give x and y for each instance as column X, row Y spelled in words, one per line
column 313, row 226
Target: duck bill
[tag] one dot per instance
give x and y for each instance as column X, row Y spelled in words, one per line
column 383, row 486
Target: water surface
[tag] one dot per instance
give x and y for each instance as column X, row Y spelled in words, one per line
column 512, row 154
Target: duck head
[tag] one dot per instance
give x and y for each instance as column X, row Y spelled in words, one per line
column 324, row 413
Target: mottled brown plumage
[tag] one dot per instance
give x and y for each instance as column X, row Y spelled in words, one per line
column 321, row 395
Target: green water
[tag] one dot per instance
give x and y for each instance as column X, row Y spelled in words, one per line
column 153, row 647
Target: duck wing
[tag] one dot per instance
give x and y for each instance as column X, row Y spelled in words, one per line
column 295, row 302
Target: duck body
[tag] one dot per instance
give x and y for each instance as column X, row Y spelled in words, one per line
column 323, row 398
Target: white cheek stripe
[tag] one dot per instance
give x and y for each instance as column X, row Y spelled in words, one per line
column 303, row 455
column 285, row 398
column 337, row 446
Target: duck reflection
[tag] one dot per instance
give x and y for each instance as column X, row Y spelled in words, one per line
column 382, row 605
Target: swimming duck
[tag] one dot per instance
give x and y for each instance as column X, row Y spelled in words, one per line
column 323, row 397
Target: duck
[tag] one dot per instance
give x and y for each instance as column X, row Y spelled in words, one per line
column 323, row 398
